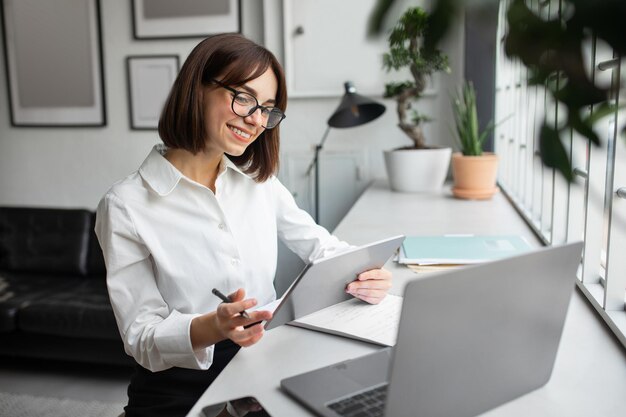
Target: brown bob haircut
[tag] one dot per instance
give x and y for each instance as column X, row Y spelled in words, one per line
column 236, row 60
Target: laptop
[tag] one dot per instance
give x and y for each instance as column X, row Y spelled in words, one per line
column 322, row 282
column 469, row 340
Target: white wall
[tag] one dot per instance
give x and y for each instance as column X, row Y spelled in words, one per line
column 306, row 121
column 73, row 167
column 66, row 167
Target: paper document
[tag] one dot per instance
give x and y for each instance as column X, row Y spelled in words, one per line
column 421, row 269
column 374, row 323
column 271, row 306
column 460, row 249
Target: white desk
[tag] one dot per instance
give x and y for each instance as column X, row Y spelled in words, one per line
column 589, row 377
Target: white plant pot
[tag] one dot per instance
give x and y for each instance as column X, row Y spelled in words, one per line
column 417, row 170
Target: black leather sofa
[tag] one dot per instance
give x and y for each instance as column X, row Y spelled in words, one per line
column 53, row 298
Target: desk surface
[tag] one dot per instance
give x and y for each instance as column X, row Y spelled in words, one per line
column 589, row 377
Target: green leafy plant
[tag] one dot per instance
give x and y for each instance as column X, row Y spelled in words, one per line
column 471, row 139
column 550, row 45
column 405, row 50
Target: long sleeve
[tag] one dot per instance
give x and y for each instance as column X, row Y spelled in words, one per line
column 167, row 241
column 157, row 336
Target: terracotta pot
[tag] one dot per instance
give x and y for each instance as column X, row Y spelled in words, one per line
column 474, row 176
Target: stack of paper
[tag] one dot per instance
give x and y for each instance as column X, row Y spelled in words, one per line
column 459, row 249
column 421, row 269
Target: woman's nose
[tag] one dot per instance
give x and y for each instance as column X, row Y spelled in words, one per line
column 256, row 117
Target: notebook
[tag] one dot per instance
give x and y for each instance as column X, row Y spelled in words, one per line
column 469, row 340
column 460, row 249
column 356, row 319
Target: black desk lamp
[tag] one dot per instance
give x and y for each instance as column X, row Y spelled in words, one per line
column 354, row 110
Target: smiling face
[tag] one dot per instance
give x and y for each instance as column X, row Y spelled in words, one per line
column 225, row 131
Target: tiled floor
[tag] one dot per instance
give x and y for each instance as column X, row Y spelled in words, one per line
column 65, row 380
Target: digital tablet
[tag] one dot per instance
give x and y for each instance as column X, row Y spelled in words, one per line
column 322, row 282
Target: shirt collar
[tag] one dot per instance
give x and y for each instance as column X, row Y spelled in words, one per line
column 157, row 171
column 227, row 163
column 163, row 177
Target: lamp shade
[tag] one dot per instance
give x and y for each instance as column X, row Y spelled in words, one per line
column 354, row 109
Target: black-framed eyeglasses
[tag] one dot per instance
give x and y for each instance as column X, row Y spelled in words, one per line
column 244, row 104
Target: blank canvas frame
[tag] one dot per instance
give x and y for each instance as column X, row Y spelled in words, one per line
column 150, row 78
column 164, row 19
column 53, row 57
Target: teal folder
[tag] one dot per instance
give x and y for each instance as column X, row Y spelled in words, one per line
column 459, row 249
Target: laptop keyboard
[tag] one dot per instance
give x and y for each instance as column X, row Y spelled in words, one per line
column 370, row 403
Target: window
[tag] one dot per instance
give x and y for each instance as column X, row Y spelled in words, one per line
column 593, row 207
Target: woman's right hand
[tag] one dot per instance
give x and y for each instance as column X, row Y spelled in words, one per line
column 231, row 325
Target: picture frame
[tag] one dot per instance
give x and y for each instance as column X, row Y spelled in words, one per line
column 149, row 78
column 47, row 88
column 166, row 19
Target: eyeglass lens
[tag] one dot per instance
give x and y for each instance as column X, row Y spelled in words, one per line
column 245, row 104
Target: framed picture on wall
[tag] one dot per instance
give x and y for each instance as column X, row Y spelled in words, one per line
column 150, row 78
column 53, row 57
column 162, row 19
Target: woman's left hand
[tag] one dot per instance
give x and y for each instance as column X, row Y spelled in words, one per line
column 371, row 286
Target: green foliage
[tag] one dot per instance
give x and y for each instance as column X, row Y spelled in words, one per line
column 375, row 23
column 394, row 89
column 405, row 50
column 418, row 118
column 410, row 27
column 553, row 49
column 552, row 151
column 548, row 37
column 466, row 122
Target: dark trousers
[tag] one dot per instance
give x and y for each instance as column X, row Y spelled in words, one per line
column 174, row 391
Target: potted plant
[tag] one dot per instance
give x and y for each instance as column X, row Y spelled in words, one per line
column 418, row 167
column 549, row 45
column 474, row 171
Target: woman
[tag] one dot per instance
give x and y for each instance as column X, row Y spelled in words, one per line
column 204, row 211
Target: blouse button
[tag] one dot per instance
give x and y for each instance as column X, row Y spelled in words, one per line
column 234, row 261
column 221, row 226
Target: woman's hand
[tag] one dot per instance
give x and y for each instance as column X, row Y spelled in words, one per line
column 371, row 286
column 232, row 325
column 226, row 323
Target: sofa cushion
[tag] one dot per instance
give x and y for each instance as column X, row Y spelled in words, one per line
column 44, row 240
column 19, row 290
column 82, row 310
column 39, row 346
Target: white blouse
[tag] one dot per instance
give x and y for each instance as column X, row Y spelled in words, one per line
column 167, row 241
